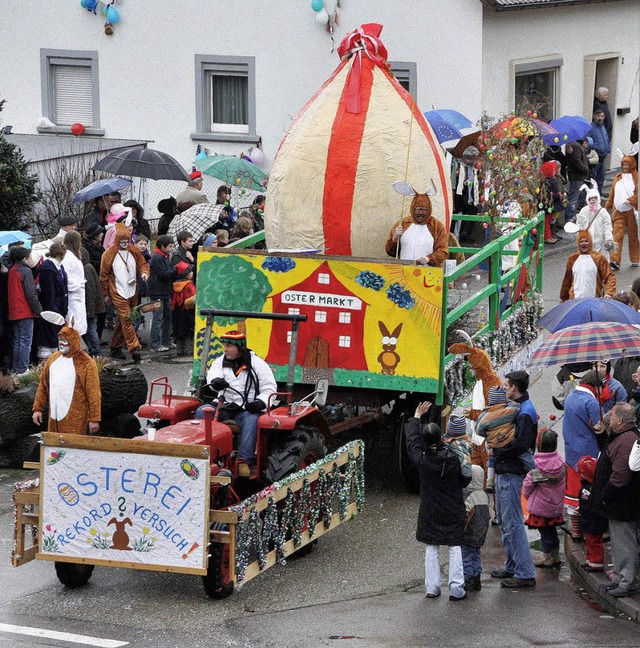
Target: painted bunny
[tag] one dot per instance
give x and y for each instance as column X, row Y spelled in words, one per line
column 389, row 359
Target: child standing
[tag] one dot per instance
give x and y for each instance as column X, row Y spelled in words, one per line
column 182, row 305
column 442, row 512
column 459, row 441
column 544, row 489
column 592, row 523
column 475, row 533
column 161, row 289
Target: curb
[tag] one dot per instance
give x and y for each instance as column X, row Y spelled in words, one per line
column 596, row 582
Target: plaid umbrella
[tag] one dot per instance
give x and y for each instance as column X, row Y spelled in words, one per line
column 195, row 220
column 588, row 343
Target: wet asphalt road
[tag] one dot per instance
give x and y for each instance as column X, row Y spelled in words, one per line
column 362, row 585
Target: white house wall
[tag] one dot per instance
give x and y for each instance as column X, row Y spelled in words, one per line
column 146, row 69
column 570, row 33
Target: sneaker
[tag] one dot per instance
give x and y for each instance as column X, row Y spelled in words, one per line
column 501, row 573
column 620, row 592
column 118, row 354
column 136, row 357
column 614, row 265
column 551, row 241
column 161, row 349
column 172, row 345
column 458, row 598
column 432, row 595
column 592, row 568
column 518, row 582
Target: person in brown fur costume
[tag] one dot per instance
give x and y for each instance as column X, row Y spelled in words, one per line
column 70, row 385
column 419, row 237
column 121, row 265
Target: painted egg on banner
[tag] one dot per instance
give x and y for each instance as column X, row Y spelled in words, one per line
column 331, row 183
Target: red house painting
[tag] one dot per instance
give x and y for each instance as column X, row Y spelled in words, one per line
column 333, row 334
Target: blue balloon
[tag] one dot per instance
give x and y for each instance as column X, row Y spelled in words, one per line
column 317, row 5
column 112, row 15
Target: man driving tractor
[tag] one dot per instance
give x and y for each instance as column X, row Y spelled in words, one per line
column 249, row 382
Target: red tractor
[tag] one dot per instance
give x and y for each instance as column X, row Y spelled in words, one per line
column 290, row 436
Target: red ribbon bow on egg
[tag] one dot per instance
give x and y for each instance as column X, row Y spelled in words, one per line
column 365, row 39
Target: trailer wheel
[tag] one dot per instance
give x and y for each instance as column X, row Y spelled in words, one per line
column 73, row 574
column 216, row 581
column 302, row 448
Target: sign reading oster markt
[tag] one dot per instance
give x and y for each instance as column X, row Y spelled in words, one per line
column 137, row 504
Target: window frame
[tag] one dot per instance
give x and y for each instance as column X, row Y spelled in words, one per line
column 552, row 63
column 207, row 63
column 410, row 70
column 76, row 58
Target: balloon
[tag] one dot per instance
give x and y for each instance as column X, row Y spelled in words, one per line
column 77, row 129
column 322, row 17
column 317, row 5
column 112, row 15
column 257, row 156
column 89, row 5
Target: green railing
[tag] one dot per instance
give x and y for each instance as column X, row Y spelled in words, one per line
column 490, row 254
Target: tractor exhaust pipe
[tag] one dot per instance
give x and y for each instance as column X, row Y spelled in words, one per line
column 208, row 424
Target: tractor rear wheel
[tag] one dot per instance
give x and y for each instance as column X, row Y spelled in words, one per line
column 216, row 582
column 300, row 449
column 73, row 574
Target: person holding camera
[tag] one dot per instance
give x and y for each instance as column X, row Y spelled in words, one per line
column 248, row 383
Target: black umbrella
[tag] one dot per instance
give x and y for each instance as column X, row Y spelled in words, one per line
column 142, row 163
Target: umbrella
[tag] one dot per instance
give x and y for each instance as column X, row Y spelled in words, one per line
column 142, row 163
column 234, row 171
column 100, row 188
column 587, row 343
column 588, row 309
column 447, row 124
column 569, row 127
column 195, row 220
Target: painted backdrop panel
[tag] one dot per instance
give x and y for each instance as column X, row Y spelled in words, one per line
column 370, row 324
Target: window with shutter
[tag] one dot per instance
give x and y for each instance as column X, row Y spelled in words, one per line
column 72, row 94
column 406, row 75
column 70, row 90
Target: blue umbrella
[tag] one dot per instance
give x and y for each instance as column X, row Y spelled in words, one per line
column 569, row 127
column 100, row 188
column 588, row 309
column 447, row 124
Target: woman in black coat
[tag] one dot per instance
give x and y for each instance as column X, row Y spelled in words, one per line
column 442, row 515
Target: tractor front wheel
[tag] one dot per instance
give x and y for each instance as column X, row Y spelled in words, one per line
column 216, row 582
column 73, row 574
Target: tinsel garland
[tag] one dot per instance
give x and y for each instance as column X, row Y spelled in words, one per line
column 24, row 485
column 333, row 491
column 515, row 332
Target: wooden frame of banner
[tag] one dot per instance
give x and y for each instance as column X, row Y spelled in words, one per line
column 107, row 444
column 231, row 518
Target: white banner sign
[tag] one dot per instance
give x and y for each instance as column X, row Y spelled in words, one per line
column 138, row 509
column 301, row 298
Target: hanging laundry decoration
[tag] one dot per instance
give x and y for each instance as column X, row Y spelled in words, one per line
column 330, row 187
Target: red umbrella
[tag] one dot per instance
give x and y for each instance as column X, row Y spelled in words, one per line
column 588, row 343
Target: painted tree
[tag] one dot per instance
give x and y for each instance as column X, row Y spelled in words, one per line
column 18, row 187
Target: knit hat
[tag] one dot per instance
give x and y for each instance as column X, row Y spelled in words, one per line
column 457, row 426
column 497, row 395
column 234, row 337
column 587, row 468
column 182, row 267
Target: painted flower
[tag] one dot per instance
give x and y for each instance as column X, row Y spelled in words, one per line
column 48, row 527
column 145, row 530
column 93, row 532
column 153, row 539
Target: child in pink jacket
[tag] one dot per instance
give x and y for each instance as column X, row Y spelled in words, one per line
column 544, row 489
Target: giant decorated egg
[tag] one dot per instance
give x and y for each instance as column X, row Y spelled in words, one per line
column 331, row 183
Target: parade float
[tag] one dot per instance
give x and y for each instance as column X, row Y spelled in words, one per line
column 332, row 314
